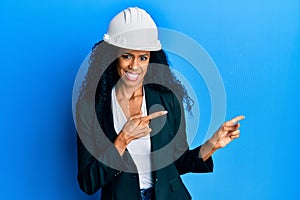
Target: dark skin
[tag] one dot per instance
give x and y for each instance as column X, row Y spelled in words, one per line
column 132, row 68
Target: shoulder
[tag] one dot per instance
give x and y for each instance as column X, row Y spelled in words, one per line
column 162, row 95
column 158, row 89
column 84, row 111
column 83, row 106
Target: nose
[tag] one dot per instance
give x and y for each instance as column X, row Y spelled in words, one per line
column 133, row 64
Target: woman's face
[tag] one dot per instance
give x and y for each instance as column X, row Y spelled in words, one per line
column 132, row 66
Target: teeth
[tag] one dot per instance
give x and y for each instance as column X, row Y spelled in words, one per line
column 131, row 76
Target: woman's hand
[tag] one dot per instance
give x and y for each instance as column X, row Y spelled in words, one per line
column 226, row 133
column 223, row 136
column 136, row 127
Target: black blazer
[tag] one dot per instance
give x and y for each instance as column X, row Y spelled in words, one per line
column 115, row 175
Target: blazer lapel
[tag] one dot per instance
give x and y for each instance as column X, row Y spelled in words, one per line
column 152, row 102
column 158, row 139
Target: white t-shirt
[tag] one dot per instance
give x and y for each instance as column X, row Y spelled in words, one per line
column 139, row 149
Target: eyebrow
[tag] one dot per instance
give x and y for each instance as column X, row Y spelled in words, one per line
column 133, row 55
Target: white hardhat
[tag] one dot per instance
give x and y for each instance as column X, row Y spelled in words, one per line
column 133, row 28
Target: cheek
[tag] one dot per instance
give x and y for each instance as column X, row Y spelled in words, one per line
column 120, row 66
column 145, row 69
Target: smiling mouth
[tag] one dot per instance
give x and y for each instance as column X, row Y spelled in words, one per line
column 132, row 76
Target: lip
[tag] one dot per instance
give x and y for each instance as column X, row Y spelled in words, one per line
column 132, row 76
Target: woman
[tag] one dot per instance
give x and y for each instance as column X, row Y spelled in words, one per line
column 134, row 146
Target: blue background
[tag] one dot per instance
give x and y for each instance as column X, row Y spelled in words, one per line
column 255, row 44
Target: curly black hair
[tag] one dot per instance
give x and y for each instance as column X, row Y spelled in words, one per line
column 102, row 65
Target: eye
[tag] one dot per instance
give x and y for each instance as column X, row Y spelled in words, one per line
column 143, row 58
column 126, row 56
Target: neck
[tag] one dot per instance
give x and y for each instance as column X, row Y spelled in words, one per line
column 125, row 92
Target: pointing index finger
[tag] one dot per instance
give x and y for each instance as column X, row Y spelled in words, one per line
column 237, row 119
column 155, row 115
